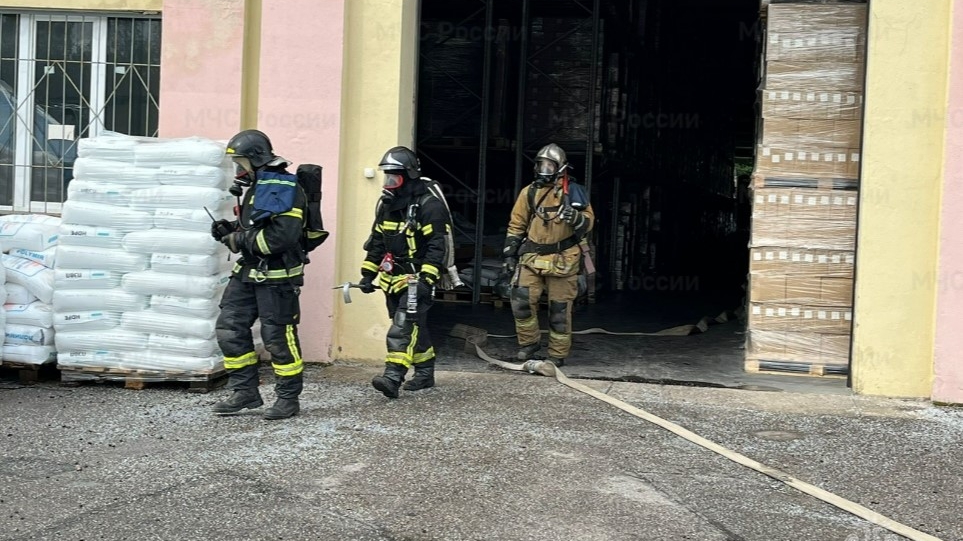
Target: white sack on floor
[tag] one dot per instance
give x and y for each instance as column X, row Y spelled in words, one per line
column 186, row 151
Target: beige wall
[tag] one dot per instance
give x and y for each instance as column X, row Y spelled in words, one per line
column 902, row 172
column 378, row 113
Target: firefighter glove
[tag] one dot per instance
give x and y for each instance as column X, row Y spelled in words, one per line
column 569, row 215
column 509, row 265
column 221, row 229
column 366, row 285
column 232, row 241
column 427, row 279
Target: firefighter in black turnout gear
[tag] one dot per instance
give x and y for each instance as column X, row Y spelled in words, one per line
column 405, row 258
column 266, row 279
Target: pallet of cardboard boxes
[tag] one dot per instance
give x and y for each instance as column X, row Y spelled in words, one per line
column 805, row 190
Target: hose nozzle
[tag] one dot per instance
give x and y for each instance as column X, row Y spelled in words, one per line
column 543, row 368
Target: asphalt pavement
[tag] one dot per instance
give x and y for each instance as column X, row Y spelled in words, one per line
column 485, row 455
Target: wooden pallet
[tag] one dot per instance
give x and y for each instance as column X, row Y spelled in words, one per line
column 31, row 373
column 196, row 381
column 786, row 368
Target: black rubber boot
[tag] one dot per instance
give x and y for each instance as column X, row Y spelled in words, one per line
column 389, row 382
column 282, row 409
column 527, row 352
column 288, row 389
column 559, row 362
column 424, row 377
column 243, row 381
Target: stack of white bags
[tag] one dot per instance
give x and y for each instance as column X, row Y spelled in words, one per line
column 27, row 286
column 138, row 276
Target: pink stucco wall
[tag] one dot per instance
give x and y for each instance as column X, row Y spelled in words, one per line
column 299, row 107
column 200, row 91
column 948, row 355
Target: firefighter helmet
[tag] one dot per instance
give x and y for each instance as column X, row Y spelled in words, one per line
column 550, row 162
column 401, row 159
column 253, row 145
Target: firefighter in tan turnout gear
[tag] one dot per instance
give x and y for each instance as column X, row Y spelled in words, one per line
column 550, row 219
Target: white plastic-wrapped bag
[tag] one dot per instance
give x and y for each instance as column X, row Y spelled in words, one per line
column 208, row 176
column 108, row 216
column 17, row 294
column 90, row 235
column 149, row 321
column 38, row 280
column 36, row 314
column 29, row 231
column 181, row 345
column 85, row 279
column 3, row 291
column 80, row 300
column 179, row 197
column 115, row 340
column 106, row 259
column 194, row 265
column 191, row 219
column 113, row 172
column 186, row 151
column 15, row 334
column 93, row 191
column 88, row 359
column 97, row 320
column 159, row 360
column 185, row 306
column 29, row 354
column 160, row 283
column 47, row 258
column 171, row 241
column 108, row 146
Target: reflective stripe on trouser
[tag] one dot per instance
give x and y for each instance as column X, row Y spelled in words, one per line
column 408, row 340
column 276, row 304
column 560, row 290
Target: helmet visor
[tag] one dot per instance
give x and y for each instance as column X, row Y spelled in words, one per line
column 242, row 165
column 393, row 180
column 546, row 167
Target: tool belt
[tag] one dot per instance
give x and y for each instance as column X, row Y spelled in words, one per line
column 529, row 247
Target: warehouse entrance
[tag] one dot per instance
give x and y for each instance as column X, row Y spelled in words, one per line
column 654, row 102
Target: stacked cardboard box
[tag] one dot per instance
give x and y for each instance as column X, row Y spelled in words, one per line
column 805, row 189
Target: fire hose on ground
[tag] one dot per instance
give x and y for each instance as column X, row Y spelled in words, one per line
column 476, row 338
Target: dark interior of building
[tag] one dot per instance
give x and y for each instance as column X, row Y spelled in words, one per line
column 654, row 102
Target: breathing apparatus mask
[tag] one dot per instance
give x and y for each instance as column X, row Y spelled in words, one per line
column 245, row 175
column 546, row 172
column 393, row 181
